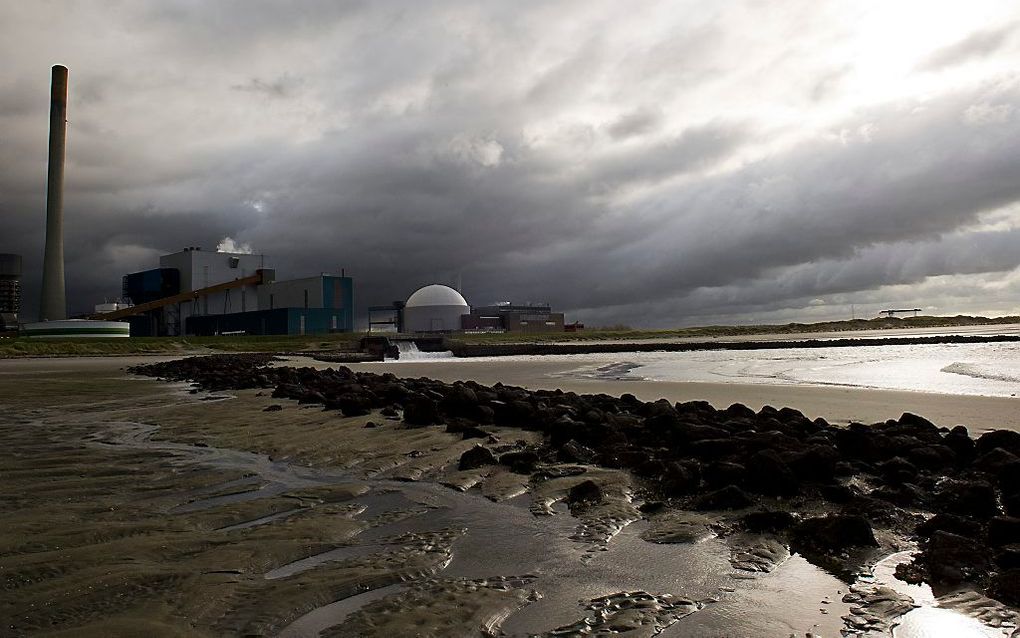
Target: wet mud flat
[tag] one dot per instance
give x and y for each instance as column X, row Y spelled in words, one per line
column 343, row 506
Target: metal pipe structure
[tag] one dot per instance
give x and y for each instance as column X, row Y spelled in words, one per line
column 53, row 304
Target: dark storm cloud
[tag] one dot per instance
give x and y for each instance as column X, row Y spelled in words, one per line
column 540, row 155
column 975, row 45
column 695, row 148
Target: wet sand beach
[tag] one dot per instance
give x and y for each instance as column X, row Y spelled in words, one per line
column 133, row 505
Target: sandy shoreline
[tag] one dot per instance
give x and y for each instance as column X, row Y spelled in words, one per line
column 835, row 404
column 136, row 505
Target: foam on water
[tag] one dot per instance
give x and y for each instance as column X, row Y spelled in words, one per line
column 409, row 352
column 982, row 369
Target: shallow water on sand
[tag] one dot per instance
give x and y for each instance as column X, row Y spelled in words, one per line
column 983, row 369
column 686, row 589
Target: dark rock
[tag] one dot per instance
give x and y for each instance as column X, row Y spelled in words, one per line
column 949, row 523
column 837, row 493
column 791, row 414
column 690, row 432
column 872, row 509
column 651, row 507
column 994, row 460
column 712, row 449
column 903, row 495
column 680, row 478
column 1008, row 557
column 1011, row 503
column 817, row 463
column 484, row 414
column 1006, row 439
column 858, row 443
column 1003, row 530
column 833, row 533
column 1005, row 587
column 522, row 462
column 730, row 497
column 723, row 473
column 967, row 498
column 768, row 521
column 917, row 421
column 460, row 400
column 739, row 411
column 768, row 474
column 932, row 457
column 897, row 470
column 959, row 441
column 647, row 468
column 574, row 452
column 421, row 410
column 473, row 432
column 951, row 558
column 389, row 411
column 1008, row 478
column 354, row 405
column 272, row 408
column 475, row 458
column 587, row 491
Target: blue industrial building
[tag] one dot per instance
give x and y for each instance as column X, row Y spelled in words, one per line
column 196, row 292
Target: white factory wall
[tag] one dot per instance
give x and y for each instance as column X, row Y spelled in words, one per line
column 203, row 268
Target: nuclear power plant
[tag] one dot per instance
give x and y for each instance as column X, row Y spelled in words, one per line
column 441, row 309
column 197, row 292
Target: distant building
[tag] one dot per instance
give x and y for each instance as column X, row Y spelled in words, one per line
column 197, row 292
column 10, row 291
column 507, row 317
column 434, row 308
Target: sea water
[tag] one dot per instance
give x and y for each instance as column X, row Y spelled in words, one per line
column 980, row 369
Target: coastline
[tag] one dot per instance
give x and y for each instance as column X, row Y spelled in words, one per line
column 836, row 404
column 833, row 403
column 301, row 501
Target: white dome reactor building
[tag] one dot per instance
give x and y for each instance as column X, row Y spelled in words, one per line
column 434, row 308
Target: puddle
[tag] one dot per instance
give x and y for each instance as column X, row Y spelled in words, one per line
column 314, row 622
column 262, row 520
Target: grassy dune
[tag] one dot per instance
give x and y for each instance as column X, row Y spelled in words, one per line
column 18, row 347
column 11, row 348
column 709, row 332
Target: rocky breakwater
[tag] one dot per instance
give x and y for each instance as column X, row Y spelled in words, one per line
column 839, row 496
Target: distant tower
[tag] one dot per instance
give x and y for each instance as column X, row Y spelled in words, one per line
column 54, row 302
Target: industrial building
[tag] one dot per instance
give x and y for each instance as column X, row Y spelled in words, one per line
column 10, row 291
column 437, row 308
column 434, row 308
column 197, row 292
column 508, row 317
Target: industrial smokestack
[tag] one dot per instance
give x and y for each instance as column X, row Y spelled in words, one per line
column 54, row 301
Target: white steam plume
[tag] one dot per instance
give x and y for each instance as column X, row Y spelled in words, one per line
column 228, row 245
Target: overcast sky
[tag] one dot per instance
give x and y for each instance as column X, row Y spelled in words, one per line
column 652, row 164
